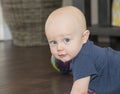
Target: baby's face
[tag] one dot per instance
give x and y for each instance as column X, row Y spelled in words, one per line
column 65, row 41
column 64, row 30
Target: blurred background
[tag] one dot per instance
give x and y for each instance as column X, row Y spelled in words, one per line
column 22, row 21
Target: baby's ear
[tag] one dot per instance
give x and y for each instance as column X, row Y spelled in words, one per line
column 85, row 36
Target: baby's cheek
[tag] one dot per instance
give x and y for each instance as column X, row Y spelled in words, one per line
column 53, row 52
column 73, row 53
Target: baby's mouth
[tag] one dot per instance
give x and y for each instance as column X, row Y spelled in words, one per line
column 62, row 55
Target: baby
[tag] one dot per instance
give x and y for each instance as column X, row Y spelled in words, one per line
column 93, row 67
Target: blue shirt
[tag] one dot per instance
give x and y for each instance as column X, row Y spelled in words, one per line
column 102, row 64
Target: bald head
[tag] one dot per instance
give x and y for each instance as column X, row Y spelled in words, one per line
column 67, row 14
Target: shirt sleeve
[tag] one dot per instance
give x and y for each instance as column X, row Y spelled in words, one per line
column 83, row 67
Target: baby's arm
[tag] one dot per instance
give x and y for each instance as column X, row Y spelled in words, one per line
column 80, row 86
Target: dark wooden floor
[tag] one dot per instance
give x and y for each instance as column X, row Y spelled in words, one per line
column 27, row 70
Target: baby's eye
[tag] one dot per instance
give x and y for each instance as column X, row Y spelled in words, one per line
column 66, row 40
column 53, row 42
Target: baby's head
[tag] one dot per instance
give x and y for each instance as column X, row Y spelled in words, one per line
column 66, row 32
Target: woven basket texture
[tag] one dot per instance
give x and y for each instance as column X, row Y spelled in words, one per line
column 26, row 19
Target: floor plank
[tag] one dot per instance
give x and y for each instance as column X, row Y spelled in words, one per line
column 27, row 70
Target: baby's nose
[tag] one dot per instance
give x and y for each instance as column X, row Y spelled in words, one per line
column 60, row 47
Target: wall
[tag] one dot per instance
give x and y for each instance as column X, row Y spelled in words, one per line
column 4, row 30
column 1, row 25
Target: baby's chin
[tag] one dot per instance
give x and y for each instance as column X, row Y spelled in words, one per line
column 65, row 60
